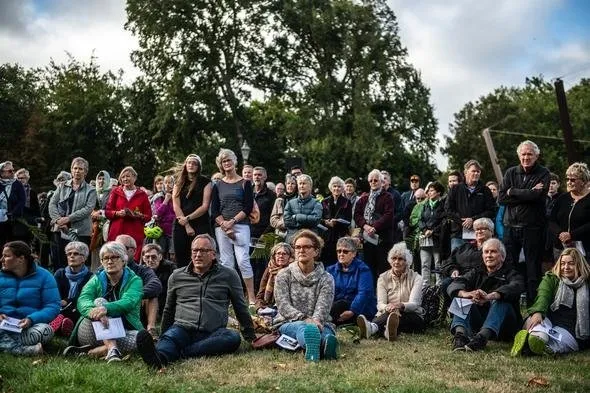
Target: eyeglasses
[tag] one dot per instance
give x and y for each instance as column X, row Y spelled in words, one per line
column 201, row 250
column 420, row 199
column 21, row 178
column 572, row 179
column 343, row 251
column 282, row 253
column 73, row 254
column 303, row 247
column 110, row 259
column 150, row 256
column 8, row 170
column 373, row 180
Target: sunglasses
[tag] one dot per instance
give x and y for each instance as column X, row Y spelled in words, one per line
column 342, row 251
column 570, row 179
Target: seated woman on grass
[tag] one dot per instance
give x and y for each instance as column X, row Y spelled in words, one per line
column 353, row 281
column 559, row 321
column 399, row 299
column 304, row 292
column 281, row 255
column 114, row 292
column 28, row 293
column 70, row 281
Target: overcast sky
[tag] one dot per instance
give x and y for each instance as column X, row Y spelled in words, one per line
column 463, row 48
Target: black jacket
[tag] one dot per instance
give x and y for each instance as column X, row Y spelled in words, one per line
column 525, row 207
column 463, row 258
column 460, row 203
column 572, row 218
column 265, row 200
column 432, row 218
column 506, row 281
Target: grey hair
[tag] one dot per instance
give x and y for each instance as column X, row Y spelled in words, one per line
column 126, row 238
column 400, row 250
column 346, row 242
column 531, row 144
column 579, row 169
column 24, row 172
column 81, row 247
column 80, row 160
column 305, row 178
column 378, row 173
column 284, row 245
column 484, row 221
column 225, row 153
column 499, row 244
column 115, row 248
column 336, row 180
column 208, row 237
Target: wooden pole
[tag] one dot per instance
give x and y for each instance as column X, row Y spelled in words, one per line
column 492, row 152
column 566, row 125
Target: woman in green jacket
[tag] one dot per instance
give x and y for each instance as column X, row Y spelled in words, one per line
column 559, row 321
column 114, row 292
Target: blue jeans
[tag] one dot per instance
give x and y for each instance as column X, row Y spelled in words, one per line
column 295, row 330
column 179, row 342
column 499, row 318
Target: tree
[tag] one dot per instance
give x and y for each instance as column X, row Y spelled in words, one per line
column 361, row 104
column 529, row 112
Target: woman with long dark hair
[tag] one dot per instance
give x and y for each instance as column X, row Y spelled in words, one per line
column 190, row 198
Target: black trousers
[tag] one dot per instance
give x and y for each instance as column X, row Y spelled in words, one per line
column 376, row 258
column 532, row 242
column 409, row 322
column 338, row 307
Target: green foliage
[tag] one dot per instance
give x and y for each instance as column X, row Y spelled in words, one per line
column 523, row 113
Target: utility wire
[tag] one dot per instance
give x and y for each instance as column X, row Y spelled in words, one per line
column 536, row 136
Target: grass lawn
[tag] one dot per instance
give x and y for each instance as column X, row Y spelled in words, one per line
column 414, row 363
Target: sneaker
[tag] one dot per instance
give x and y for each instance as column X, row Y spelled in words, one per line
column 74, row 350
column 477, row 343
column 312, row 338
column 147, row 350
column 33, row 350
column 67, row 326
column 113, row 355
column 364, row 327
column 391, row 326
column 331, row 347
column 459, row 342
column 536, row 345
column 520, row 342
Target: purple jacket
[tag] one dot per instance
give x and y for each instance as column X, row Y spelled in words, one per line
column 165, row 213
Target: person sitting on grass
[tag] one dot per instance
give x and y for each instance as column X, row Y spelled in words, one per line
column 495, row 289
column 70, row 281
column 281, row 255
column 114, row 292
column 304, row 293
column 152, row 287
column 353, row 281
column 559, row 321
column 29, row 294
column 196, row 313
column 153, row 257
column 399, row 299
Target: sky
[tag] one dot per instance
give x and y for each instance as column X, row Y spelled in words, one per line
column 463, row 49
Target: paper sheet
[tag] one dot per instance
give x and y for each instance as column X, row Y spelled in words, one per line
column 460, row 307
column 115, row 329
column 10, row 324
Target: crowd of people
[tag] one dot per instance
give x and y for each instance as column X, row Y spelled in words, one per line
column 89, row 255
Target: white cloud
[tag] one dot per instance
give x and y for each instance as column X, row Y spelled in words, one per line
column 78, row 28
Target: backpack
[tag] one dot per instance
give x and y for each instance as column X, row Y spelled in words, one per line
column 433, row 305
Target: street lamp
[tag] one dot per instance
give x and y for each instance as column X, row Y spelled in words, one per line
column 245, row 151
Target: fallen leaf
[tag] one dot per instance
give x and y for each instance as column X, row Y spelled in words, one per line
column 280, row 365
column 538, row 382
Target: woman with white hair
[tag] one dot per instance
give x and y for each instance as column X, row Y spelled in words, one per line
column 303, row 212
column 114, row 292
column 336, row 217
column 231, row 204
column 399, row 299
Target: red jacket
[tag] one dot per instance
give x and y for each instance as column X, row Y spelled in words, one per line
column 383, row 215
column 132, row 226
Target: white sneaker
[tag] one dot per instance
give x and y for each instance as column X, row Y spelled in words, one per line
column 113, row 355
column 364, row 326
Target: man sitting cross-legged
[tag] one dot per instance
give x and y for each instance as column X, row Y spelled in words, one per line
column 495, row 289
column 196, row 312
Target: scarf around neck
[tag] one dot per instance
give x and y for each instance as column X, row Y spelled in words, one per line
column 565, row 296
column 370, row 208
column 75, row 279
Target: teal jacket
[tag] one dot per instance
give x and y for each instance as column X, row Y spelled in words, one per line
column 128, row 304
